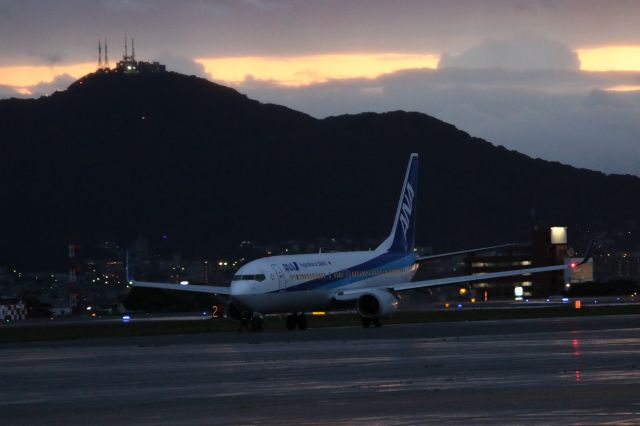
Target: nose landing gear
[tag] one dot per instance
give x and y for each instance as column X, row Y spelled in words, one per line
column 250, row 321
column 366, row 322
column 296, row 320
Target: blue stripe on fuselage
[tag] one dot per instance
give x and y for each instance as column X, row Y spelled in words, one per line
column 333, row 280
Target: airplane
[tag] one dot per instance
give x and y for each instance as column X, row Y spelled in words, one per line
column 370, row 281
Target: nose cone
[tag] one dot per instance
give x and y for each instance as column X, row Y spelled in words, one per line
column 243, row 295
column 239, row 288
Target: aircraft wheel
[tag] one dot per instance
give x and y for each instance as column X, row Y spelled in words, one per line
column 302, row 322
column 245, row 322
column 291, row 322
column 256, row 324
column 377, row 323
column 366, row 322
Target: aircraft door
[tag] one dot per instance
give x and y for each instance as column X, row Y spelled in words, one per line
column 282, row 279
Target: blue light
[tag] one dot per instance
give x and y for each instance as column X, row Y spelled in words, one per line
column 126, row 318
column 459, row 305
column 565, row 300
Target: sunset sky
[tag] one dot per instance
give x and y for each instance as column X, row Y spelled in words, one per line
column 554, row 79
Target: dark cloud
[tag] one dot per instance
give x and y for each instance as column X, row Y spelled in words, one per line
column 538, row 103
column 50, row 58
column 42, row 89
column 8, row 92
column 519, row 53
column 59, row 83
column 551, row 114
column 196, row 28
column 5, row 10
column 127, row 5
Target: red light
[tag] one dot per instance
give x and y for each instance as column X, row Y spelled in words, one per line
column 573, row 264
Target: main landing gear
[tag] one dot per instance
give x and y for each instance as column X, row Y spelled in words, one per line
column 367, row 322
column 250, row 321
column 296, row 320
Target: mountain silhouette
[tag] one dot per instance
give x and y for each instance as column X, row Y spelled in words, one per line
column 116, row 156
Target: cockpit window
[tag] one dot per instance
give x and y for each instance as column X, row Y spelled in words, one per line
column 257, row 277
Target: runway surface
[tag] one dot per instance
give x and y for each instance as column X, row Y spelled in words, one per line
column 546, row 371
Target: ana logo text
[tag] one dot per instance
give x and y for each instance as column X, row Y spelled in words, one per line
column 293, row 266
column 407, row 207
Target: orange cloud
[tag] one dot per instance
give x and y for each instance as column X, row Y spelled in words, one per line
column 312, row 69
column 610, row 58
column 24, row 76
column 623, row 88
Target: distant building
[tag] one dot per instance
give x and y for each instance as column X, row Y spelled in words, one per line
column 128, row 64
column 12, row 310
column 578, row 274
column 617, row 266
column 60, row 311
column 199, row 271
column 135, row 67
column 548, row 247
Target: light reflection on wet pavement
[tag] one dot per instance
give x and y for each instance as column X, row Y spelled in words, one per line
column 580, row 375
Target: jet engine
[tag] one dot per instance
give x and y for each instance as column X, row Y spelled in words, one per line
column 376, row 303
column 233, row 312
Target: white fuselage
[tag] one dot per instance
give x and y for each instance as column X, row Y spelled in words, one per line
column 305, row 282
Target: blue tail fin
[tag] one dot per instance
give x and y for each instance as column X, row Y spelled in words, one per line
column 402, row 237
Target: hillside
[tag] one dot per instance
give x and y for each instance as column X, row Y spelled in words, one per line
column 116, row 156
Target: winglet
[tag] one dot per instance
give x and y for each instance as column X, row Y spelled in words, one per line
column 589, row 253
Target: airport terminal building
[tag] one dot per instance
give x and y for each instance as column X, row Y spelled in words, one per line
column 548, row 247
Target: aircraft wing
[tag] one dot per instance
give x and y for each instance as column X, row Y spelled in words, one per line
column 476, row 277
column 211, row 289
column 455, row 253
column 352, row 294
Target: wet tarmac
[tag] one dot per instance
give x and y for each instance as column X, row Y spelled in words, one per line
column 545, row 371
